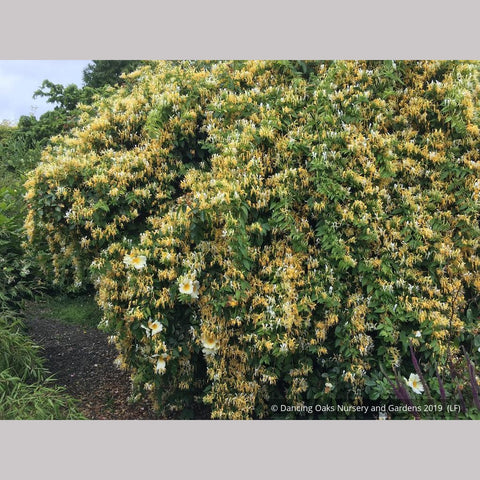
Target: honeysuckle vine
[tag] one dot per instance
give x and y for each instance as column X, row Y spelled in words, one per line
column 272, row 231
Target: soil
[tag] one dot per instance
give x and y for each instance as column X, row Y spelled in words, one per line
column 81, row 360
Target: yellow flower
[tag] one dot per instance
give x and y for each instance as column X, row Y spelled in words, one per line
column 160, row 367
column 231, row 302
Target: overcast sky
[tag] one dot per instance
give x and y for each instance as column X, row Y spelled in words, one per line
column 20, row 78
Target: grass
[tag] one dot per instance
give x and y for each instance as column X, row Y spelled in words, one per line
column 75, row 310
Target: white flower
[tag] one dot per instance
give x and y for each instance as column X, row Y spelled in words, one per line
column 155, row 326
column 418, row 333
column 210, row 345
column 186, row 286
column 160, row 366
column 414, row 383
column 137, row 261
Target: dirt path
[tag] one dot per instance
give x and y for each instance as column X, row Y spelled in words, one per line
column 81, row 359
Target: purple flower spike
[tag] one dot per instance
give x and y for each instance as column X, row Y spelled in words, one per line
column 416, row 366
column 473, row 381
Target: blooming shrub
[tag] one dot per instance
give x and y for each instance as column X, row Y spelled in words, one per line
column 271, row 232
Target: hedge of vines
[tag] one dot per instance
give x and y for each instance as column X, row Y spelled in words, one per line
column 267, row 232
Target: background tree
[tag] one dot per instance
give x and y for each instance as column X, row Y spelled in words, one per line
column 107, row 72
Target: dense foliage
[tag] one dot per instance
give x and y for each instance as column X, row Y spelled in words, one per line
column 268, row 233
column 99, row 73
column 16, row 268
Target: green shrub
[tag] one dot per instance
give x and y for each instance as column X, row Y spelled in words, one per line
column 272, row 232
column 17, row 268
column 20, row 148
column 19, row 353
